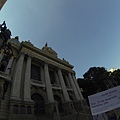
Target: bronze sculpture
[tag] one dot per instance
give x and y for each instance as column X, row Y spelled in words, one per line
column 5, row 35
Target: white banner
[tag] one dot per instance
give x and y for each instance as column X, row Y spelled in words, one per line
column 105, row 101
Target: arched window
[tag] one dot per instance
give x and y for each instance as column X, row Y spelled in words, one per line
column 60, row 106
column 72, row 105
column 39, row 104
column 15, row 109
column 29, row 110
column 22, row 109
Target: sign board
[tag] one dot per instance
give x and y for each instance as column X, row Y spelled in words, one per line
column 105, row 101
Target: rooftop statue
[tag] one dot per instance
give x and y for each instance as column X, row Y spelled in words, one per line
column 4, row 32
column 49, row 50
column 5, row 35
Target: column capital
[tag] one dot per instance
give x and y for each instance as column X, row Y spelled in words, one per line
column 71, row 72
column 46, row 62
column 29, row 55
column 73, row 75
column 22, row 53
column 59, row 68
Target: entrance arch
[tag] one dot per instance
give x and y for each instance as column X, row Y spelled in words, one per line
column 60, row 106
column 72, row 105
column 39, row 104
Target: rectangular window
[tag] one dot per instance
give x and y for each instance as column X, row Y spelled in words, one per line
column 35, row 72
column 65, row 79
column 52, row 76
column 29, row 110
column 22, row 109
column 15, row 109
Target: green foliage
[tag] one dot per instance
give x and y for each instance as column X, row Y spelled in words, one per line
column 98, row 79
column 116, row 77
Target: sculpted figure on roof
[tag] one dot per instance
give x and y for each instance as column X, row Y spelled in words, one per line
column 49, row 50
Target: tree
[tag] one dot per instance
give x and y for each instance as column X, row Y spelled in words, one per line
column 95, row 80
column 98, row 79
column 115, row 76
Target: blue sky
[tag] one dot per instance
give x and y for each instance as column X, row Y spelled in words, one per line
column 84, row 32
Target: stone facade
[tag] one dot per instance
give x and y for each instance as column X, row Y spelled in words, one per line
column 2, row 2
column 35, row 84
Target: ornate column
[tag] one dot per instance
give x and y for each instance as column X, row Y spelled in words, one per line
column 48, row 84
column 82, row 104
column 50, row 104
column 8, row 69
column 74, row 87
column 77, row 87
column 67, row 104
column 27, row 82
column 65, row 93
column 17, row 78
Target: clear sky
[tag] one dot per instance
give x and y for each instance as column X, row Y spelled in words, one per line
column 84, row 32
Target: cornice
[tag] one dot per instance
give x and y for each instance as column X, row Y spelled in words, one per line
column 30, row 48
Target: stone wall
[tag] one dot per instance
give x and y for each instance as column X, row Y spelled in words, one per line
column 4, row 105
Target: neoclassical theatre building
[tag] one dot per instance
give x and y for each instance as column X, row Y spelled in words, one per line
column 35, row 83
